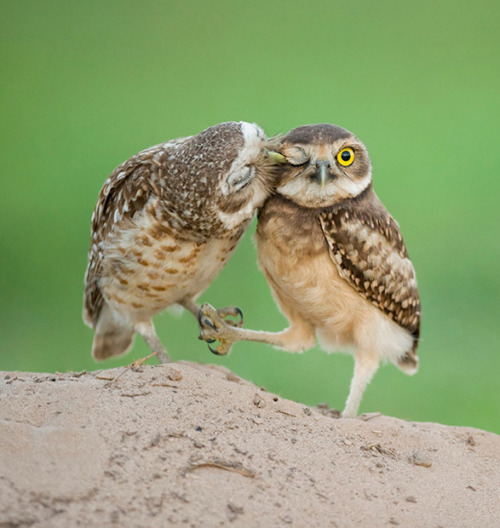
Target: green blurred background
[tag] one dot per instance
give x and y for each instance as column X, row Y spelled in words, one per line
column 85, row 85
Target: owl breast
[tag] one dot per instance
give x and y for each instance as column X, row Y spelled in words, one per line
column 147, row 267
column 289, row 228
column 293, row 255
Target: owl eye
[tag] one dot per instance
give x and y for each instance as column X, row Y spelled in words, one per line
column 295, row 156
column 346, row 156
column 242, row 178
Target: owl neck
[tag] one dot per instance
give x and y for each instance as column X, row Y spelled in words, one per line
column 365, row 196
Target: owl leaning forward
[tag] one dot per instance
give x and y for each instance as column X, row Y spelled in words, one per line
column 334, row 259
column 165, row 223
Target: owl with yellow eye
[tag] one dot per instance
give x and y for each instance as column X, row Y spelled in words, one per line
column 334, row 259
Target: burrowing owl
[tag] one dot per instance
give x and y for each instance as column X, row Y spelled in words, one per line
column 165, row 223
column 335, row 260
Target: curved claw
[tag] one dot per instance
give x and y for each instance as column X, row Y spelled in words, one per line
column 231, row 311
column 205, row 321
column 239, row 323
column 207, row 340
column 214, row 350
column 222, row 350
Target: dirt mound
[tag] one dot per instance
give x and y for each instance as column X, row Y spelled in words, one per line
column 193, row 445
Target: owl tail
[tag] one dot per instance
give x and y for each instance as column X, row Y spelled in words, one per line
column 408, row 363
column 113, row 337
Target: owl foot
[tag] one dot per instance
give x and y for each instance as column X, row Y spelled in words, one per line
column 231, row 311
column 214, row 327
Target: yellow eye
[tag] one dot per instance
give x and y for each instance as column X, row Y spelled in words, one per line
column 346, row 156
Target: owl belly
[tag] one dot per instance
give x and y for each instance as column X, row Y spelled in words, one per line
column 311, row 287
column 306, row 283
column 144, row 272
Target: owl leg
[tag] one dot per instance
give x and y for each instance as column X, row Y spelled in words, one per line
column 365, row 367
column 298, row 337
column 147, row 331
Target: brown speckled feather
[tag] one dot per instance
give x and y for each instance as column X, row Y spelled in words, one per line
column 165, row 223
column 124, row 193
column 367, row 248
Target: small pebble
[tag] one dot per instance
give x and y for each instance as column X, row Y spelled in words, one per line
column 420, row 459
column 174, row 375
column 259, row 401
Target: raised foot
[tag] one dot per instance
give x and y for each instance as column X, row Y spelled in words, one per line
column 214, row 327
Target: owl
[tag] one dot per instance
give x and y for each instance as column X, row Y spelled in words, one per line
column 165, row 223
column 334, row 259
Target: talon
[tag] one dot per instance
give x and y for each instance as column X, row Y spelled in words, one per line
column 214, row 351
column 231, row 311
column 207, row 340
column 205, row 308
column 207, row 322
column 239, row 323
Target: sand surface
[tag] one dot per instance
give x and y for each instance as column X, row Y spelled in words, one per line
column 194, row 445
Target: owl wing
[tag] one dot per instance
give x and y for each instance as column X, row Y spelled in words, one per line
column 369, row 253
column 125, row 192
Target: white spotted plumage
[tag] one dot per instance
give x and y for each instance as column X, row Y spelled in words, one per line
column 162, row 229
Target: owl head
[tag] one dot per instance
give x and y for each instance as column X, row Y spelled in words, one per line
column 220, row 177
column 322, row 165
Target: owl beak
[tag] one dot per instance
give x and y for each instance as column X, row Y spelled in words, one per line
column 322, row 174
column 276, row 156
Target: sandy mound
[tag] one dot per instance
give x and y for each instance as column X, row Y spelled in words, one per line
column 194, row 445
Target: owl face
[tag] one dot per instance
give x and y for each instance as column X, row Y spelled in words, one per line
column 250, row 177
column 323, row 165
